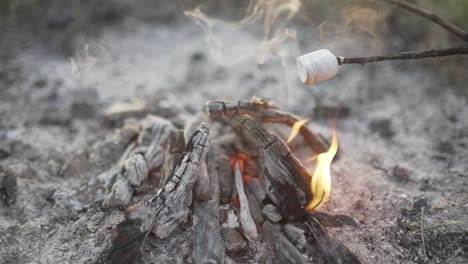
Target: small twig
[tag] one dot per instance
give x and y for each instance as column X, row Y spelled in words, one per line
column 421, row 226
column 406, row 56
column 461, row 33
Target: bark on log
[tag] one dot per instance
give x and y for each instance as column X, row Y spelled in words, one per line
column 168, row 208
column 287, row 177
column 263, row 111
column 208, row 245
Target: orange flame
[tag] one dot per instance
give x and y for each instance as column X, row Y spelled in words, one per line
column 320, row 184
column 295, row 129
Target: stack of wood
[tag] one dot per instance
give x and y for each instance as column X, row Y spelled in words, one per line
column 239, row 195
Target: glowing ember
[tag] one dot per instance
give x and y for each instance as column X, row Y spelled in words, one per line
column 295, row 129
column 239, row 158
column 321, row 180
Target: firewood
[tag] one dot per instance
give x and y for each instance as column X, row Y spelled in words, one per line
column 168, row 208
column 247, row 223
column 329, row 220
column 208, row 245
column 333, row 250
column 263, row 111
column 272, row 213
column 143, row 155
column 281, row 249
column 296, row 235
column 255, row 209
column 285, row 175
column 201, row 189
column 175, row 148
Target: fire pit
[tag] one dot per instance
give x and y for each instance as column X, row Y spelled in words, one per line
column 172, row 132
column 266, row 197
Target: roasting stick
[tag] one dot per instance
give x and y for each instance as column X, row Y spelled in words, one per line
column 322, row 65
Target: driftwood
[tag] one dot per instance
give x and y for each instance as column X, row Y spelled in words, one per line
column 168, row 208
column 263, row 111
column 208, row 245
column 287, row 178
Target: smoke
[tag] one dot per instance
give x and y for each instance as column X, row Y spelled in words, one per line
column 275, row 41
column 366, row 25
column 89, row 61
column 273, row 13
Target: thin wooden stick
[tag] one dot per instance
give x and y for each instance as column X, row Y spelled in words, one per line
column 421, row 226
column 405, row 56
column 461, row 33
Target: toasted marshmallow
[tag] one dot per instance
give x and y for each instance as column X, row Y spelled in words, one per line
column 317, row 66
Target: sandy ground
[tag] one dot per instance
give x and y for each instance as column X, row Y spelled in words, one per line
column 404, row 142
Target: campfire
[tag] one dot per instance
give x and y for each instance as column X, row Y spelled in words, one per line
column 236, row 189
column 259, row 131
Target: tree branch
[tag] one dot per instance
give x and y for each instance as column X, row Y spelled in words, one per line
column 405, row 56
column 461, row 33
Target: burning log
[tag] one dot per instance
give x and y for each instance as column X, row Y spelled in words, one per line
column 168, row 208
column 208, row 245
column 286, row 176
column 263, row 111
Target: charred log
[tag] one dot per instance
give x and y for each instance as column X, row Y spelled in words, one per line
column 263, row 111
column 208, row 245
column 333, row 250
column 287, row 178
column 168, row 208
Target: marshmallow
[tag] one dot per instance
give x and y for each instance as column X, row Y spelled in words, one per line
column 317, row 66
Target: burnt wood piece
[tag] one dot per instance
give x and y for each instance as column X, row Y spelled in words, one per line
column 175, row 148
column 247, row 223
column 208, row 245
column 281, row 250
column 329, row 220
column 141, row 157
column 168, row 208
column 333, row 250
column 263, row 111
column 286, row 177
